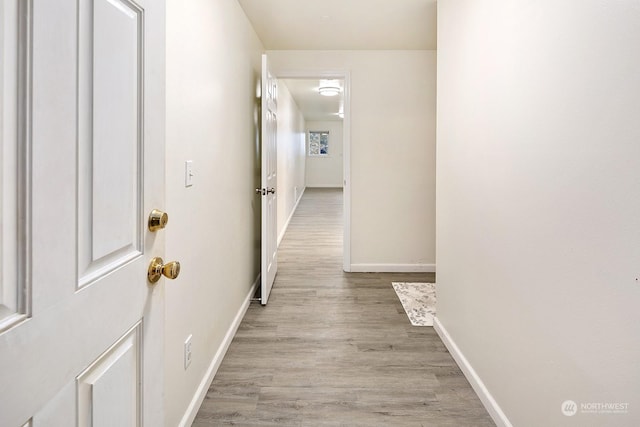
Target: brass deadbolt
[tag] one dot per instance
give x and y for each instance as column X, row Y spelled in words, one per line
column 157, row 220
column 158, row 268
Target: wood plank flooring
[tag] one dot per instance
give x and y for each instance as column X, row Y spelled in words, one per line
column 335, row 349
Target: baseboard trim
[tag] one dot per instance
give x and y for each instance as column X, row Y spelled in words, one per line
column 286, row 224
column 393, row 268
column 201, row 391
column 472, row 376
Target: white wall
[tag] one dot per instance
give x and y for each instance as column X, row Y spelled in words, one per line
column 213, row 63
column 538, row 203
column 291, row 153
column 326, row 171
column 392, row 151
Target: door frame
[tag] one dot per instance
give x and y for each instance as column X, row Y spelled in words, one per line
column 344, row 75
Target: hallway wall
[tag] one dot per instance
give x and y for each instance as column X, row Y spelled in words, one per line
column 392, row 152
column 538, row 203
column 213, row 69
column 291, row 154
column 326, row 171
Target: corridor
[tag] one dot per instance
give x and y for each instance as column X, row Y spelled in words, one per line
column 334, row 348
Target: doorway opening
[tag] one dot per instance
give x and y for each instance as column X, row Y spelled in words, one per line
column 327, row 136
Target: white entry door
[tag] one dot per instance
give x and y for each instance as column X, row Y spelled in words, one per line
column 82, row 109
column 269, row 181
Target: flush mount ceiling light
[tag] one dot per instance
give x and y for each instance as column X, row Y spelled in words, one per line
column 329, row 87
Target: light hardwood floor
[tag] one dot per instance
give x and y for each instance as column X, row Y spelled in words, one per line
column 335, row 349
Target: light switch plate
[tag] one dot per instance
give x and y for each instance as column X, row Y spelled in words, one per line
column 188, row 173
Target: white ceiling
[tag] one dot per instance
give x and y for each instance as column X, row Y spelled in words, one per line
column 343, row 24
column 339, row 25
column 314, row 107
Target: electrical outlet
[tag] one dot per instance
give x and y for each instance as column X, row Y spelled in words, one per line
column 187, row 351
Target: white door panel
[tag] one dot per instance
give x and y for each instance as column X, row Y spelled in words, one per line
column 110, row 233
column 9, row 98
column 93, row 170
column 269, row 181
column 109, row 390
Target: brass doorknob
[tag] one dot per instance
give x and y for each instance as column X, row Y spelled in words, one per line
column 157, row 268
column 157, row 220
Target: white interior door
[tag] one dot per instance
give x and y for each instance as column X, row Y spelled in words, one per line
column 269, row 181
column 83, row 133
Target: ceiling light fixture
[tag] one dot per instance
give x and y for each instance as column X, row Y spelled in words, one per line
column 329, row 87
